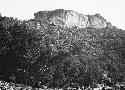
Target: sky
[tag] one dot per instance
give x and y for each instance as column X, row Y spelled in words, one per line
column 112, row 10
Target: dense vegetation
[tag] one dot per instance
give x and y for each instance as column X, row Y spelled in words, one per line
column 37, row 53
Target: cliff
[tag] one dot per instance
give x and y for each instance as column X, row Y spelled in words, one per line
column 70, row 18
column 40, row 54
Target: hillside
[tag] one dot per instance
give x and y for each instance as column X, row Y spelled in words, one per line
column 59, row 54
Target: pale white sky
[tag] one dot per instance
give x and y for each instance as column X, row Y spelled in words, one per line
column 111, row 10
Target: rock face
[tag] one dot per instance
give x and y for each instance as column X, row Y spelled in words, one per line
column 69, row 18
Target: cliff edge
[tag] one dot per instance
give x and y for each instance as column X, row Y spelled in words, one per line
column 70, row 18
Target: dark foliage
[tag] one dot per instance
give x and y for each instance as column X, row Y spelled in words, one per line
column 49, row 55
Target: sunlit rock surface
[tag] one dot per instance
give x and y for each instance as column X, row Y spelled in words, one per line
column 70, row 18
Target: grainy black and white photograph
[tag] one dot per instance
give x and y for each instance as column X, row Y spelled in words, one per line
column 62, row 45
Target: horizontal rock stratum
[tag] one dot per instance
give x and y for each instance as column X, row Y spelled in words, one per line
column 70, row 18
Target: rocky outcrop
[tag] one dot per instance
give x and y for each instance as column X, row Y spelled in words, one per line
column 70, row 18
